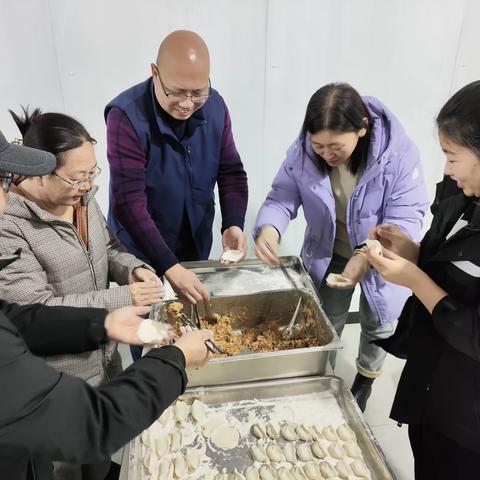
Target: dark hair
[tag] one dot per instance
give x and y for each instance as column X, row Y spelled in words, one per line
column 459, row 118
column 53, row 132
column 340, row 108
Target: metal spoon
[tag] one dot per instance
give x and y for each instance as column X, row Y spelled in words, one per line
column 288, row 330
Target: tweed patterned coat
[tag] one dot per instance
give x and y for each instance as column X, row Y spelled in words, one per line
column 55, row 268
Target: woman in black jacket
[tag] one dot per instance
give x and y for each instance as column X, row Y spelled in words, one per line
column 438, row 395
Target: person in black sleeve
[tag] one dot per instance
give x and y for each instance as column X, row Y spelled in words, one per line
column 46, row 415
column 438, row 333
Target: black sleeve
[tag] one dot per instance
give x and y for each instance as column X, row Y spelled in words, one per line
column 459, row 325
column 58, row 330
column 50, row 415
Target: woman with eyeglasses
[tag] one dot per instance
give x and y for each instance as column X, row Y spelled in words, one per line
column 351, row 167
column 68, row 255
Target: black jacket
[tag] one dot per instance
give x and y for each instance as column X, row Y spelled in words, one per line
column 440, row 384
column 47, row 415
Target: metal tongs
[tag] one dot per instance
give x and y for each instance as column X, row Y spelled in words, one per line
column 210, row 344
column 281, row 265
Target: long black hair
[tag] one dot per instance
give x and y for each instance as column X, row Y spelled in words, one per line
column 340, row 108
column 459, row 118
column 53, row 132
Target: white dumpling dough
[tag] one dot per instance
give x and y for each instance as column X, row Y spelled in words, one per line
column 212, row 423
column 232, row 255
column 225, row 437
column 151, row 331
column 338, row 280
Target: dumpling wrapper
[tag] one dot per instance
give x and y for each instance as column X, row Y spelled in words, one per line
column 232, row 255
column 152, row 332
column 338, row 280
column 225, row 437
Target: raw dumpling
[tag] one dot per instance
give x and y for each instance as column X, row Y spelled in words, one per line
column 353, row 450
column 375, row 245
column 198, row 411
column 275, row 453
column 304, row 433
column 336, row 451
column 162, row 444
column 345, row 433
column 318, row 450
column 175, row 441
column 258, row 429
column 298, row 473
column 193, row 457
column 284, row 474
column 258, row 453
column 221, row 476
column 329, row 433
column 343, row 469
column 290, row 452
column 235, row 476
column 267, row 473
column 304, row 452
column 316, row 432
column 288, row 432
column 327, row 470
column 360, row 469
column 165, row 470
column 165, row 416
column 311, row 471
column 272, row 431
column 146, row 438
column 150, row 462
column 180, row 411
column 251, row 473
column 180, row 465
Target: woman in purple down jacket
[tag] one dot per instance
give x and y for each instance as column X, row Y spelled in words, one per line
column 351, row 168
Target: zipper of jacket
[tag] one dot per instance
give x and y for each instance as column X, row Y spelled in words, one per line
column 92, row 271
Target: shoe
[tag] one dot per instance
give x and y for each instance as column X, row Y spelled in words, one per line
column 361, row 390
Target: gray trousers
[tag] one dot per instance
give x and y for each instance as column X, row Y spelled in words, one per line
column 336, row 304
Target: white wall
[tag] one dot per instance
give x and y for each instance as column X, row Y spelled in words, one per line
column 268, row 57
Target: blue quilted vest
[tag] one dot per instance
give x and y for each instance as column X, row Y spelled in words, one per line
column 180, row 175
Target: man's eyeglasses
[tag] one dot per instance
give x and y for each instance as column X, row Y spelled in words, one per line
column 7, row 180
column 181, row 97
column 78, row 184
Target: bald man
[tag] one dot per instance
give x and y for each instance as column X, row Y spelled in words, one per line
column 169, row 142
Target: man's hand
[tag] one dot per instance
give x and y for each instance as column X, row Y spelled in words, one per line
column 395, row 240
column 233, row 238
column 143, row 293
column 186, row 284
column 192, row 344
column 266, row 245
column 122, row 324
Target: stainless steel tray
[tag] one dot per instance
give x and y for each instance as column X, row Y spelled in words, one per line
column 251, row 276
column 249, row 366
column 257, row 399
